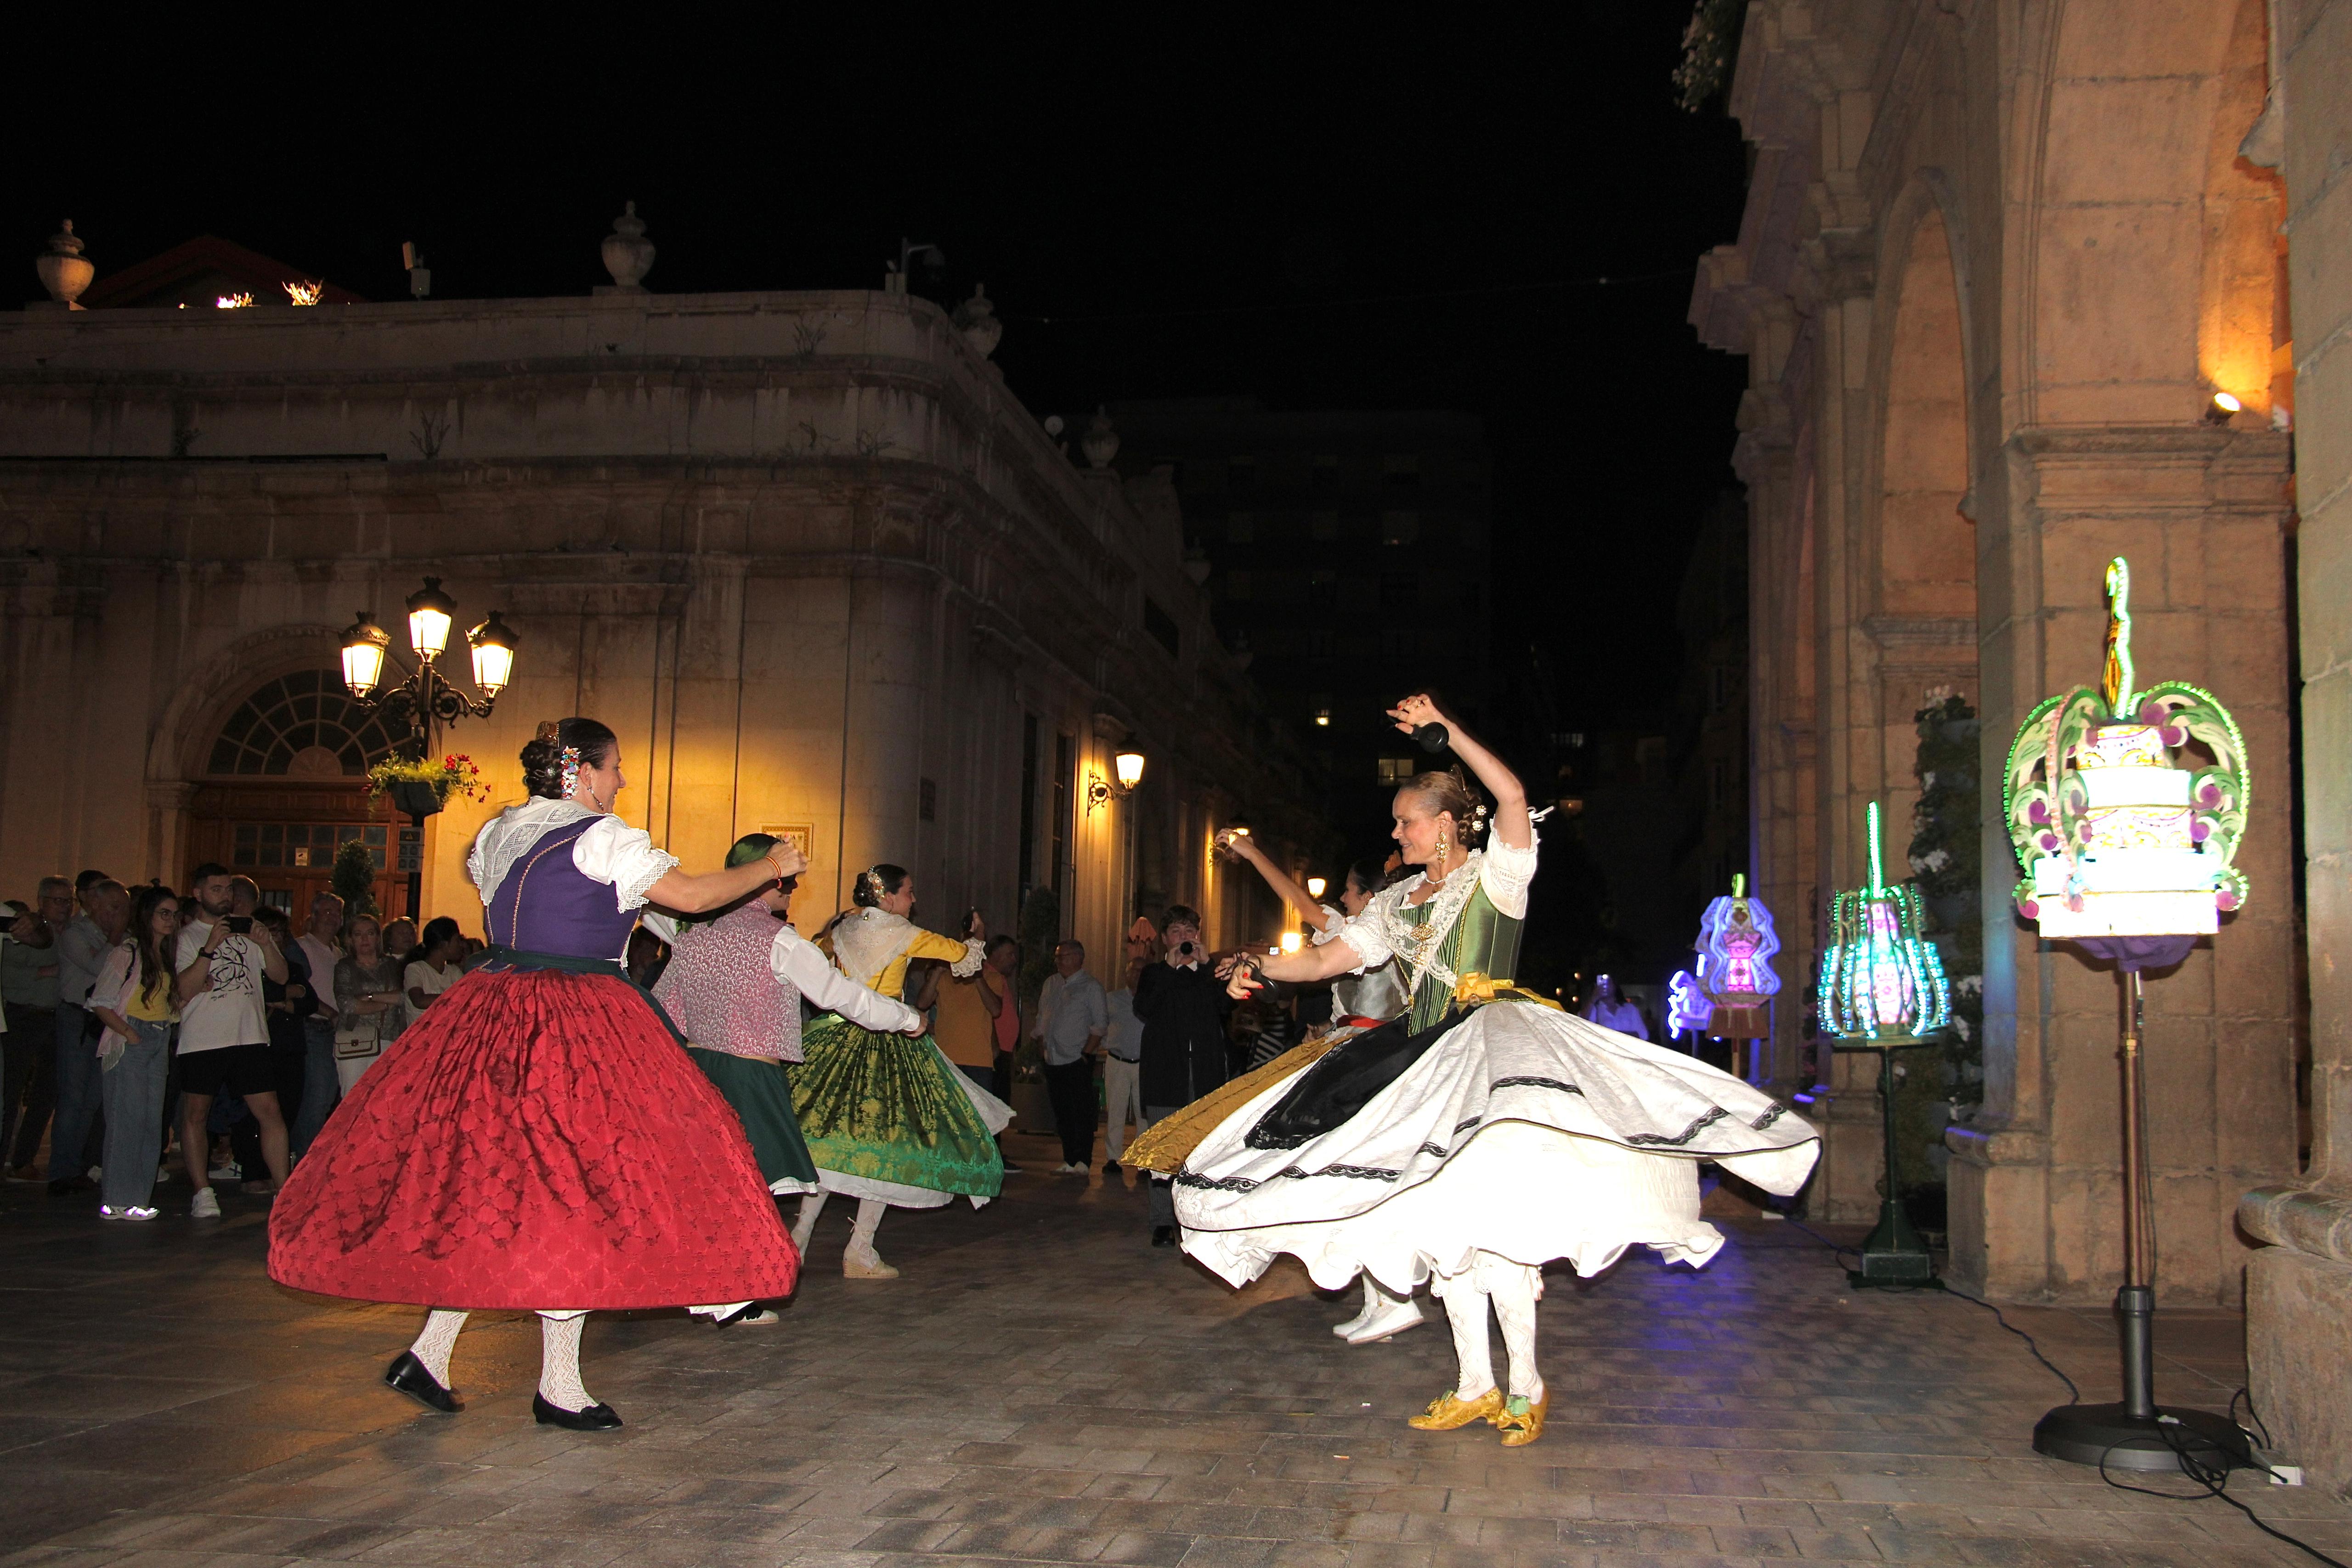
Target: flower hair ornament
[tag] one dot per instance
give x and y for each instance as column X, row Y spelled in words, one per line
column 871, row 879
column 571, row 770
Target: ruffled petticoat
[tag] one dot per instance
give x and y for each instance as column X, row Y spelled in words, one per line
column 887, row 1117
column 1522, row 1132
column 536, row 1140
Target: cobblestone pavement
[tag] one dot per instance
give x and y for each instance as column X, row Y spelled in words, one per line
column 1043, row 1386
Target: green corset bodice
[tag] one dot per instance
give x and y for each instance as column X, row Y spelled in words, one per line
column 1483, row 941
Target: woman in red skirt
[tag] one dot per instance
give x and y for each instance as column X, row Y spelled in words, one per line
column 539, row 1140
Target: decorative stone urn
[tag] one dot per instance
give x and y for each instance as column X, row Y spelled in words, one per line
column 64, row 272
column 1101, row 442
column 976, row 319
column 628, row 254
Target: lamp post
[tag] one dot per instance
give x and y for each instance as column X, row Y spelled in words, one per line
column 426, row 698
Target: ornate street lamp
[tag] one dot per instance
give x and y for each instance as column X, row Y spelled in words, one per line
column 425, row 699
column 1128, row 767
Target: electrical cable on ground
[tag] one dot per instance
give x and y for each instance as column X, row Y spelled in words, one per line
column 2213, row 1480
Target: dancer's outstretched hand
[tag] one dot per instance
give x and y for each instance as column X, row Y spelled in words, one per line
column 1244, row 982
column 1415, row 712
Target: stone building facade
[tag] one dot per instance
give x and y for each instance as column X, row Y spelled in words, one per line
column 2299, row 1285
column 1995, row 263
column 803, row 552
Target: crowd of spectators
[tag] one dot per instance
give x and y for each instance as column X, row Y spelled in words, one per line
column 147, row 1029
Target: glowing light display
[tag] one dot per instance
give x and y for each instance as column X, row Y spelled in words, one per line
column 304, row 293
column 2114, row 838
column 232, row 302
column 1688, row 1006
column 1880, row 980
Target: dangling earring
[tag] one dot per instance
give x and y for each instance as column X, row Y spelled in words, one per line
column 1444, row 849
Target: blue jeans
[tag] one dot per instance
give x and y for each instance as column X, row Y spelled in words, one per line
column 322, row 1091
column 132, row 1090
column 77, row 1093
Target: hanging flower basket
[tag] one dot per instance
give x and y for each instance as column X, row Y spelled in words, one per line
column 422, row 789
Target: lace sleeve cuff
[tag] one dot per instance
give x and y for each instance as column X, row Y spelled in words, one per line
column 975, row 953
column 612, row 851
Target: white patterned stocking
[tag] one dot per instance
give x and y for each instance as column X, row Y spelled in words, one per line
column 559, row 1361
column 434, row 1345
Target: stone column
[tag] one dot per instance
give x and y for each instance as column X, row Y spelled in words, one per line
column 2299, row 1289
column 2036, row 1202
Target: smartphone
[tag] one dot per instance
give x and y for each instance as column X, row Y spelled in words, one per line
column 240, row 924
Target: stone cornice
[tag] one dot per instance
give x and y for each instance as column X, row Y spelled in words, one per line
column 2302, row 1218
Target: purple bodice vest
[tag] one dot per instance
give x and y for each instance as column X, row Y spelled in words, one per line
column 546, row 905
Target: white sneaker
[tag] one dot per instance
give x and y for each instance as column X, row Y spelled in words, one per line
column 129, row 1211
column 1358, row 1321
column 230, row 1172
column 206, row 1205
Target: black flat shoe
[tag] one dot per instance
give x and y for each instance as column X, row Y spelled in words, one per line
column 407, row 1374
column 743, row 1313
column 595, row 1418
column 1163, row 1236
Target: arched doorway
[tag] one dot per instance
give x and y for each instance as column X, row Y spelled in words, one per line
column 286, row 783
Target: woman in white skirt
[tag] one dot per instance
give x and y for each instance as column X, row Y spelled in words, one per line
column 1484, row 1134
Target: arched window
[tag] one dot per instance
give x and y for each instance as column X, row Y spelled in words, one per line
column 306, row 725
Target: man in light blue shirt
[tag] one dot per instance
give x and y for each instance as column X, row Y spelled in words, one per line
column 1071, row 1018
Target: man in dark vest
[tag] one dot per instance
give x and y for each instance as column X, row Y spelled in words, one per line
column 1183, row 1005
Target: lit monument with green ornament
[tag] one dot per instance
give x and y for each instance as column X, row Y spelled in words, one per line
column 2129, row 842
column 1883, row 989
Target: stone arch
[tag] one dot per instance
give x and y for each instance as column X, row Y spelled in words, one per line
column 2132, row 295
column 181, row 743
column 1924, row 545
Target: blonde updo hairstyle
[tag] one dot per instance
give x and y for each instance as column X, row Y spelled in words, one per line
column 1451, row 791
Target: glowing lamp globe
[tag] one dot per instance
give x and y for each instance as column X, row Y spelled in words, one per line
column 430, row 612
column 1881, row 982
column 493, row 646
column 2115, row 836
column 1315, row 886
column 363, row 646
column 1130, row 765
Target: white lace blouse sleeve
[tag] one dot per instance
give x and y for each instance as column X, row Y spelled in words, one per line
column 1506, row 873
column 1368, row 932
column 1333, row 924
column 975, row 953
column 800, row 963
column 612, row 851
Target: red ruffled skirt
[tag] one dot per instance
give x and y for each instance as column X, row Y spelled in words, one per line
column 537, row 1140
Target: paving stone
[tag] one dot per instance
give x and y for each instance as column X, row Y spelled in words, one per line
column 1041, row 1386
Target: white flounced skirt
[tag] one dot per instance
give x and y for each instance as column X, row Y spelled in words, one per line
column 1523, row 1133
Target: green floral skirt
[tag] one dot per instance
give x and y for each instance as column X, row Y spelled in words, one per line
column 887, row 1117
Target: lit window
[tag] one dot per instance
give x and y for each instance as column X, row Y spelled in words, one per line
column 1395, row 770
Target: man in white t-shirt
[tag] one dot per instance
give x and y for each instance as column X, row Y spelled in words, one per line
column 221, row 961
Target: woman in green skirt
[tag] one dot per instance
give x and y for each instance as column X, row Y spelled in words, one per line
column 733, row 986
column 890, row 1120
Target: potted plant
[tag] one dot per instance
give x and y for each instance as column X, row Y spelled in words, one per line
column 420, row 788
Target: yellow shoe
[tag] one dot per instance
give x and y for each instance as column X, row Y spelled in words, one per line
column 1446, row 1412
column 1521, row 1429
column 867, row 1265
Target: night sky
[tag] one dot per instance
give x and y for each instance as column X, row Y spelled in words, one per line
column 1327, row 209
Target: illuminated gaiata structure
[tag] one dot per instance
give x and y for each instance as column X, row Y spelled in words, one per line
column 2114, row 838
column 1881, row 980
